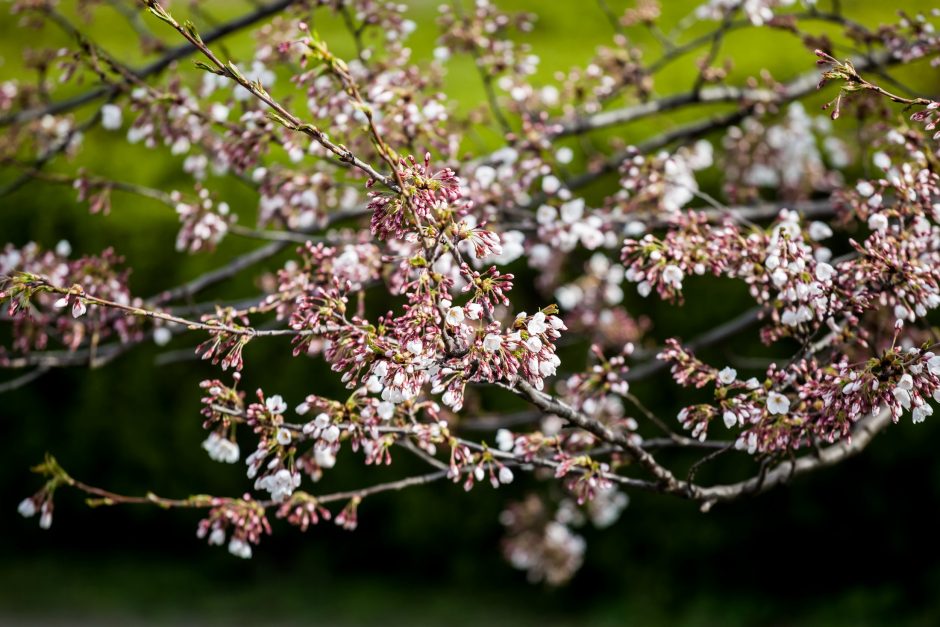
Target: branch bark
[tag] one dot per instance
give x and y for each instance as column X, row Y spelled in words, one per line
column 862, row 435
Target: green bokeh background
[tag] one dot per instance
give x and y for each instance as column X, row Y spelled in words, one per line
column 853, row 545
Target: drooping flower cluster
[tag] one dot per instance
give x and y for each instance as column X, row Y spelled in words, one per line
column 241, row 521
column 424, row 192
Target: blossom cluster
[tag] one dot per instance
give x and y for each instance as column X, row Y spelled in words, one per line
column 36, row 312
column 441, row 283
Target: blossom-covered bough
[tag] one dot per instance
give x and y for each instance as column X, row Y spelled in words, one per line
column 403, row 235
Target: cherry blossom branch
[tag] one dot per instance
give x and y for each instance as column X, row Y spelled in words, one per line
column 222, row 273
column 706, row 95
column 23, row 379
column 106, row 497
column 793, row 90
column 93, row 357
column 156, row 67
column 848, row 71
column 861, row 437
column 552, row 405
column 281, row 114
column 40, row 284
column 713, row 50
column 241, row 263
column 708, row 496
column 452, row 329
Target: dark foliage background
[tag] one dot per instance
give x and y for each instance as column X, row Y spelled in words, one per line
column 852, row 545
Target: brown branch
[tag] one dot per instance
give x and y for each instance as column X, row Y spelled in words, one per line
column 140, row 312
column 714, row 49
column 682, row 442
column 391, row 486
column 229, row 270
column 863, row 433
column 111, row 498
column 23, row 379
column 625, row 115
column 667, row 482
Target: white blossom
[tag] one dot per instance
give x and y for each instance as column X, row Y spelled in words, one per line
column 572, row 211
column 730, row 419
column 673, row 275
column 534, row 344
column 385, row 410
column 878, row 222
column 281, row 484
column 239, row 548
column 537, row 325
column 324, row 456
column 275, row 404
column 512, row 247
column 492, row 342
column 505, row 475
column 454, row 316
column 865, row 188
column 606, row 506
column 111, row 117
column 921, row 412
column 505, row 440
column 217, row 537
column 162, row 336
column 485, row 175
column 727, row 375
column 221, row 449
column 27, row 508
column 331, row 434
column 824, row 271
column 550, row 184
column 881, row 160
column 902, row 396
column 777, row 403
column 568, row 296
column 219, row 112
column 819, row 231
